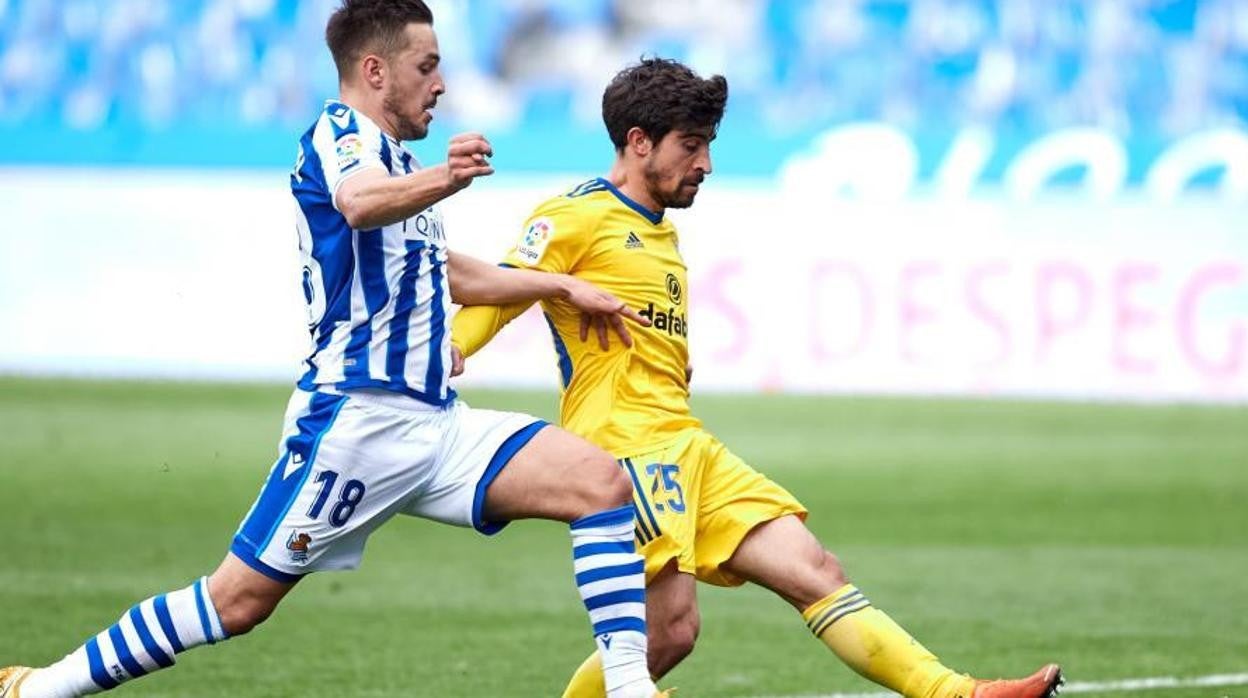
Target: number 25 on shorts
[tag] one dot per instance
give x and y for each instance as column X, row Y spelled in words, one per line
column 664, row 475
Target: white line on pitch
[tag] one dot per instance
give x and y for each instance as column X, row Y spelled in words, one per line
column 1144, row 684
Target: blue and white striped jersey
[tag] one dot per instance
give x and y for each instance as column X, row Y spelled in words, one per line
column 378, row 300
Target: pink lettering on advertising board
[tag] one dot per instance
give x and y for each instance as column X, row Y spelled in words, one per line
column 1131, row 316
column 824, row 274
column 911, row 312
column 713, row 298
column 1203, row 282
column 1057, row 282
column 976, row 294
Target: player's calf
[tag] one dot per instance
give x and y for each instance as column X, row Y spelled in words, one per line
column 671, row 640
column 672, row 618
column 243, row 597
column 143, row 640
column 148, row 636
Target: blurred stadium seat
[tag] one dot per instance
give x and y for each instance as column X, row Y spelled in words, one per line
column 169, row 82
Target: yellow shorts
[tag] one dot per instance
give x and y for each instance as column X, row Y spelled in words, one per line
column 696, row 502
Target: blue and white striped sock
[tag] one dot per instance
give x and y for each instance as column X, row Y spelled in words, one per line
column 144, row 640
column 610, row 576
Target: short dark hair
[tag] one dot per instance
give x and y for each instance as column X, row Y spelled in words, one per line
column 360, row 25
column 659, row 95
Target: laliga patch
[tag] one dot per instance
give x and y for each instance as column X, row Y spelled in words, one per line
column 350, row 148
column 533, row 245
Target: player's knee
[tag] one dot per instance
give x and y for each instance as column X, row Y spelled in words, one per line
column 607, row 487
column 618, row 489
column 830, row 569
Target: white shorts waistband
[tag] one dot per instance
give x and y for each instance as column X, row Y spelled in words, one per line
column 385, row 398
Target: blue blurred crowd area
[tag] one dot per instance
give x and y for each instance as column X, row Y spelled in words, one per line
column 232, row 82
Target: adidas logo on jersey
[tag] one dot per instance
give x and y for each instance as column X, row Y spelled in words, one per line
column 633, row 242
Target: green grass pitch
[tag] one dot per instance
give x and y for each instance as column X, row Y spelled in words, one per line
column 1002, row 534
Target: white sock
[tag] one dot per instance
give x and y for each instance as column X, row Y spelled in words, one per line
column 610, row 576
column 142, row 641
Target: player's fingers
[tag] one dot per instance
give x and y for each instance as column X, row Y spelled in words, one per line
column 463, row 153
column 459, row 153
column 471, row 148
column 464, row 175
column 600, row 327
column 617, row 324
column 467, row 136
column 632, row 315
column 461, row 162
column 585, row 319
column 457, row 362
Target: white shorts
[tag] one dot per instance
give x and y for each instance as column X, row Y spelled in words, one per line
column 349, row 462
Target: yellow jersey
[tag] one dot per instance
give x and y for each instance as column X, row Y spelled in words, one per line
column 625, row 400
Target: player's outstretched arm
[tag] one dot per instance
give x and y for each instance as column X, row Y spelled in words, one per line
column 475, row 325
column 373, row 199
column 477, row 283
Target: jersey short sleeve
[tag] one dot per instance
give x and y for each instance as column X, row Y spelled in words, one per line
column 555, row 238
column 347, row 144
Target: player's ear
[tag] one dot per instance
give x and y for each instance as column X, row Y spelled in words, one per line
column 373, row 71
column 639, row 142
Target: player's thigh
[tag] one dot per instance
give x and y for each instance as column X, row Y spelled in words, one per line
column 667, row 484
column 784, row 556
column 348, row 464
column 556, row 475
column 735, row 499
column 476, row 446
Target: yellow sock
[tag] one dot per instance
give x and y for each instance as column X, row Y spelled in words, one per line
column 587, row 682
column 873, row 645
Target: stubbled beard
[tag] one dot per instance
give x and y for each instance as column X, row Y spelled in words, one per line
column 408, row 130
column 677, row 201
column 665, row 199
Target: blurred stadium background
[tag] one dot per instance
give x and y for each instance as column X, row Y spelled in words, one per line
column 967, row 199
column 939, row 196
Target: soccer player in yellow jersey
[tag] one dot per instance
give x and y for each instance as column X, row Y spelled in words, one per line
column 702, row 513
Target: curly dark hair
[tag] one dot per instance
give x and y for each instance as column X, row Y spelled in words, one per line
column 659, row 95
column 359, row 26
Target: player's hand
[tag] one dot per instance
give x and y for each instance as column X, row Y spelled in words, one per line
column 602, row 312
column 457, row 361
column 467, row 157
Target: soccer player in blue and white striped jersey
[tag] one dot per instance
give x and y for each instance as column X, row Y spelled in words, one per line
column 373, row 428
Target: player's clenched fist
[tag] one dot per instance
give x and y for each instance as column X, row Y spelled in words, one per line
column 467, row 158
